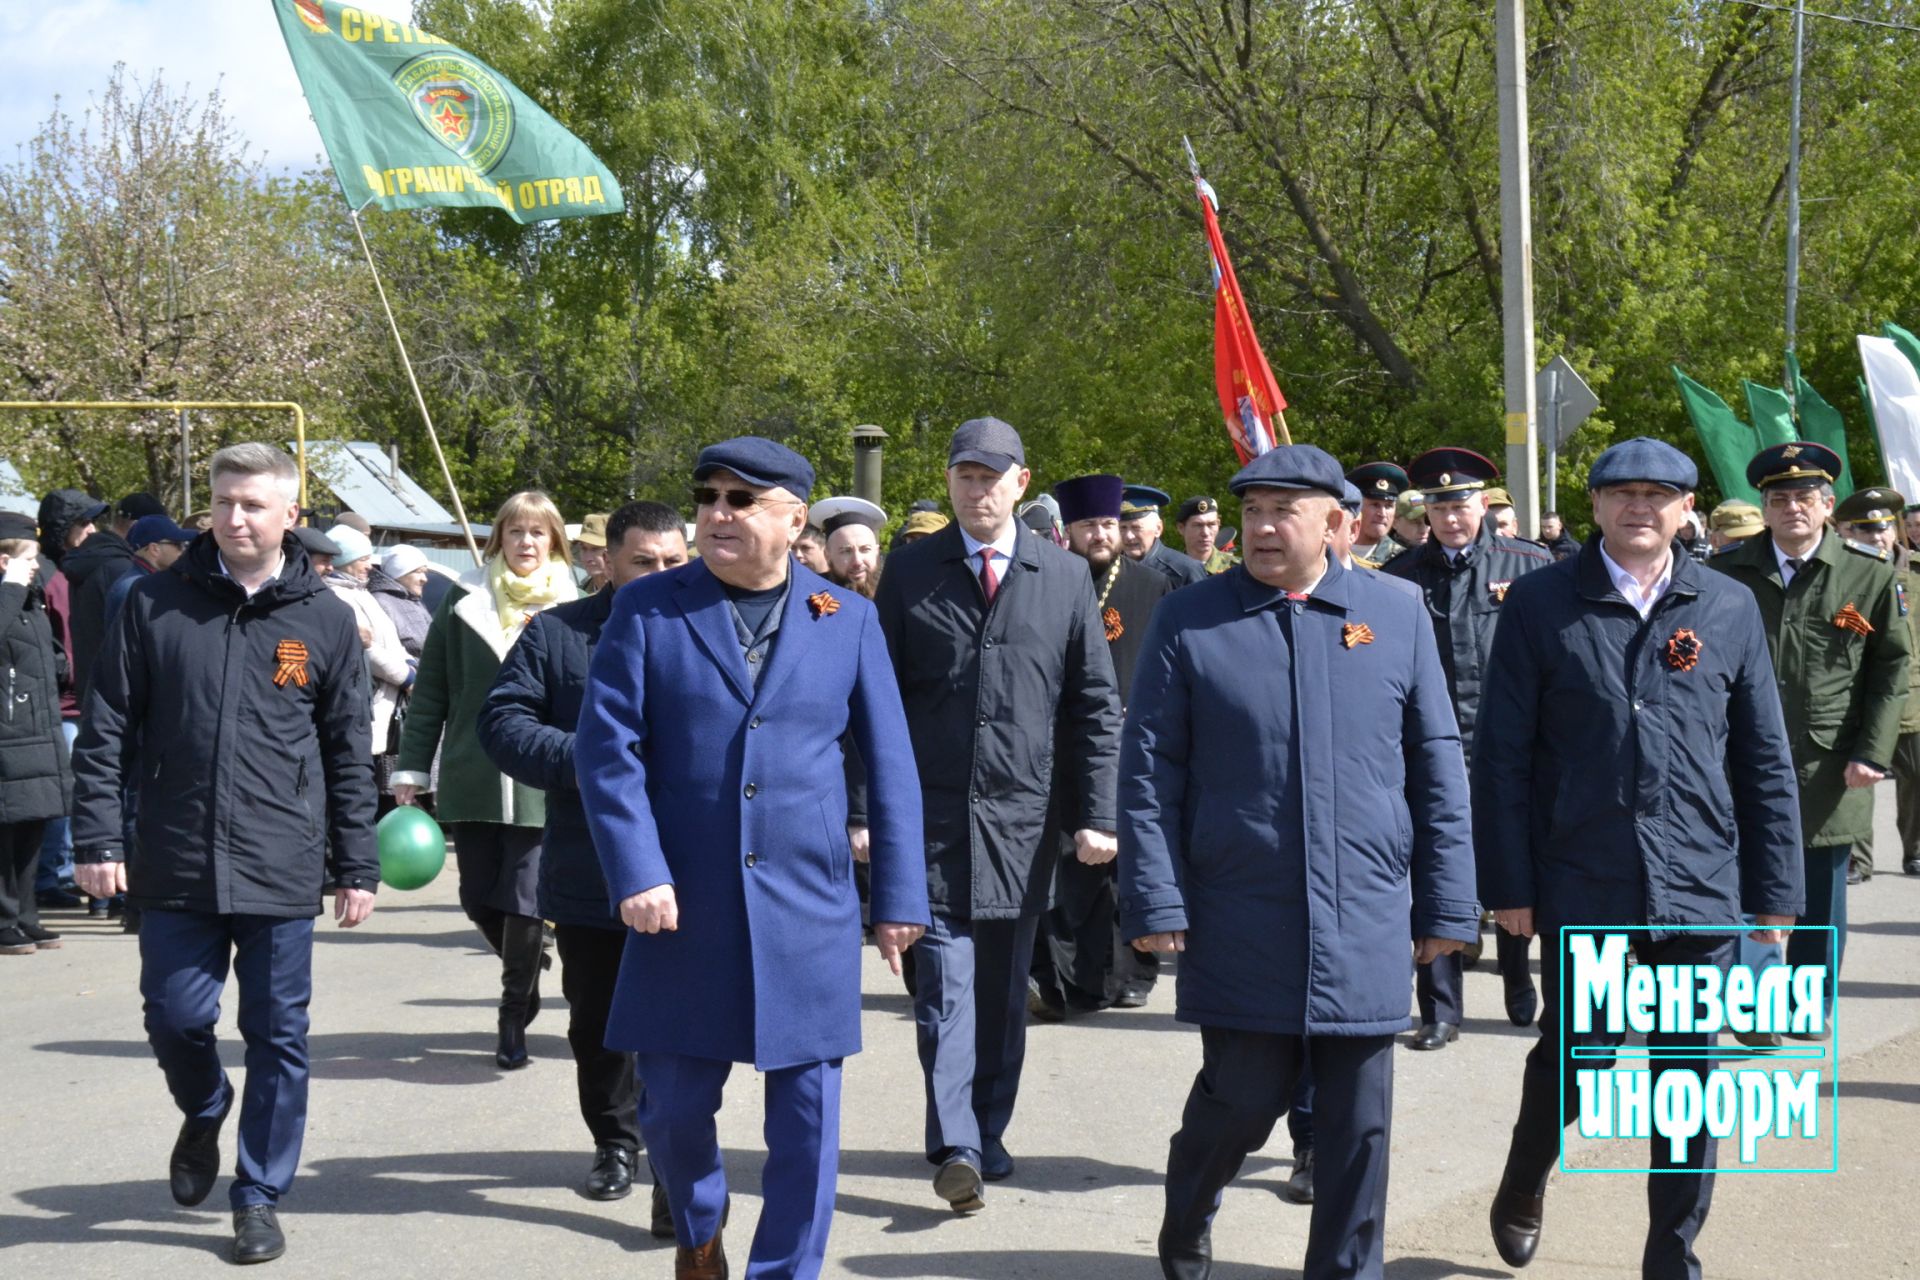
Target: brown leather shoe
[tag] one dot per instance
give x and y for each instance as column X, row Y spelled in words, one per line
column 1515, row 1219
column 708, row 1262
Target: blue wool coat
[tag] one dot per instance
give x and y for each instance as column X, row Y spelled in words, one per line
column 1612, row 784
column 736, row 796
column 1295, row 896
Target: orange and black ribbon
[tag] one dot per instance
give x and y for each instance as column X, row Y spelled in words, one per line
column 292, row 657
column 1115, row 627
column 1356, row 633
column 1684, row 650
column 823, row 604
column 1851, row 619
column 1498, row 590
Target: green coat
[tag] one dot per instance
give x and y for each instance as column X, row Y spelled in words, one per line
column 1843, row 692
column 462, row 655
column 1910, row 579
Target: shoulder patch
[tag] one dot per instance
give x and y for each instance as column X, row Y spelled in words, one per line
column 1871, row 553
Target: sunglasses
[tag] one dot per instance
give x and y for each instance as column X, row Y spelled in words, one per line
column 738, row 499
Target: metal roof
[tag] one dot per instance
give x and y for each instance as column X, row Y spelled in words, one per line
column 13, row 492
column 363, row 478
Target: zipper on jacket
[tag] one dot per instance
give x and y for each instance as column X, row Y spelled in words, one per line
column 10, row 678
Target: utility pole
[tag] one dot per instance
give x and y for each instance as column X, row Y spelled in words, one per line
column 1793, row 195
column 1516, row 264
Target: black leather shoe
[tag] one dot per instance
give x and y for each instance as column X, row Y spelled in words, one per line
column 1435, row 1035
column 1523, row 1005
column 1186, row 1259
column 1299, row 1188
column 1855, row 875
column 1911, row 866
column 512, row 1053
column 995, row 1164
column 195, row 1164
column 661, row 1227
column 1515, row 1219
column 43, row 939
column 1132, row 996
column 958, row 1182
column 612, row 1174
column 256, row 1235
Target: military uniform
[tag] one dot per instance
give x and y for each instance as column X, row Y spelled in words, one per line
column 1838, row 629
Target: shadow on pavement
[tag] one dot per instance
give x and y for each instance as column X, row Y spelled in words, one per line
column 1891, row 1091
column 1878, row 990
column 405, row 1058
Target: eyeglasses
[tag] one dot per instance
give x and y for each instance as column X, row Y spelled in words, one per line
column 742, row 500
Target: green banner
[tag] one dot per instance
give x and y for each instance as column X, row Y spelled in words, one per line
column 1772, row 414
column 410, row 121
column 1729, row 443
column 1908, row 344
column 1821, row 423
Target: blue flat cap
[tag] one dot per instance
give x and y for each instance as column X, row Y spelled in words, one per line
column 1089, row 498
column 1451, row 473
column 1644, row 461
column 1798, row 465
column 1382, row 480
column 1350, row 497
column 989, row 442
column 765, row 464
column 1142, row 500
column 148, row 530
column 1292, row 466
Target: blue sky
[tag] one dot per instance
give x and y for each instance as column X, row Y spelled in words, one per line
column 68, row 48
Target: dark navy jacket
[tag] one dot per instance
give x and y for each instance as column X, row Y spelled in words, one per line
column 1611, row 784
column 526, row 727
column 1291, row 826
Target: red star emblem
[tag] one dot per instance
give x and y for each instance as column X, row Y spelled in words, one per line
column 451, row 122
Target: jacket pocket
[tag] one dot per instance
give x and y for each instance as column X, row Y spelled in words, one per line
column 839, row 850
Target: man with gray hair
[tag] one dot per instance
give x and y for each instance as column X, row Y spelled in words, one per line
column 254, row 797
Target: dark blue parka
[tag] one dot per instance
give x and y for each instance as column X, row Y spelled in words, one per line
column 526, row 727
column 1613, row 783
column 1291, row 787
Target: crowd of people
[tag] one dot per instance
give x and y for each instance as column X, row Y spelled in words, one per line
column 1029, row 750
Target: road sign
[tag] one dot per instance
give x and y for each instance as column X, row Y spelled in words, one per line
column 1565, row 400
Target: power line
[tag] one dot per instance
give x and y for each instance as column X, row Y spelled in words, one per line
column 1830, row 17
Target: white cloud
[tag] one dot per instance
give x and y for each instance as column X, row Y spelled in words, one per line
column 69, row 47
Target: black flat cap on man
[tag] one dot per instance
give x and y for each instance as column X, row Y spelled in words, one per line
column 1876, row 507
column 1292, row 466
column 1089, row 498
column 989, row 442
column 1383, row 480
column 315, row 542
column 1195, row 507
column 136, row 506
column 148, row 530
column 1450, row 473
column 1800, row 464
column 1642, row 460
column 15, row 525
column 765, row 464
column 1138, row 500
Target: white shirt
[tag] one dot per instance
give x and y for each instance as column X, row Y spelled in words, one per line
column 1002, row 550
column 1786, row 570
column 273, row 577
column 1627, row 585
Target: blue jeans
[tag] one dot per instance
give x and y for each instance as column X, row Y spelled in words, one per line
column 56, row 847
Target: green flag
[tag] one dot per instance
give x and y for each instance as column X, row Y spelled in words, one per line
column 1772, row 414
column 410, row 121
column 1821, row 423
column 1908, row 344
column 1729, row 443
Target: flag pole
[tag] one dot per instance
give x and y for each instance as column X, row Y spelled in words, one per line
column 433, row 437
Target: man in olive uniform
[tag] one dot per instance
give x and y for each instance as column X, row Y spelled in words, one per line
column 1199, row 523
column 1380, row 485
column 1140, row 530
column 1463, row 570
column 1409, row 525
column 1836, row 623
column 1870, row 518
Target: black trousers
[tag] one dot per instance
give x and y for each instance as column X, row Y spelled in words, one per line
column 19, row 860
column 589, row 967
column 1246, row 1081
column 1678, row 1196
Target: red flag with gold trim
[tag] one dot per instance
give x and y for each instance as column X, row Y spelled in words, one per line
column 1250, row 399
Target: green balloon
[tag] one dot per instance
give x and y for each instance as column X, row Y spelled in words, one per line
column 412, row 848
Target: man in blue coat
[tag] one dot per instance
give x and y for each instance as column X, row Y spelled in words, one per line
column 1292, row 790
column 715, row 791
column 527, row 726
column 1631, row 767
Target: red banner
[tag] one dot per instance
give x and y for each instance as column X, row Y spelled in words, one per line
column 1250, row 399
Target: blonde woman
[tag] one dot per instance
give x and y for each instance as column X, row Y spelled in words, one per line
column 493, row 821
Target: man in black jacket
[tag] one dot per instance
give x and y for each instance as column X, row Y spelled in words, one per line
column 231, row 695
column 527, row 727
column 92, row 568
column 1001, row 658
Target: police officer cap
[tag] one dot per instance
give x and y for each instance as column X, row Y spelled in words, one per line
column 315, row 542
column 1451, row 473
column 988, row 441
column 1089, row 498
column 1736, row 519
column 1798, row 465
column 1644, row 461
column 762, row 463
column 1192, row 507
column 1292, row 466
column 1381, row 480
column 1871, row 507
column 1350, row 497
column 1138, row 500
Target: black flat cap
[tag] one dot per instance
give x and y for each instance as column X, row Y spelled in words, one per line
column 762, row 463
column 1292, row 466
column 989, row 442
column 315, row 542
column 1642, row 460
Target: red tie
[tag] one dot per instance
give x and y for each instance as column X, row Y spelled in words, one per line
column 989, row 580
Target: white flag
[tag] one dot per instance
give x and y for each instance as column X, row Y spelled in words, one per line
column 1894, row 387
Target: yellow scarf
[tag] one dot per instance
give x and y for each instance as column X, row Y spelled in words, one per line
column 515, row 599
